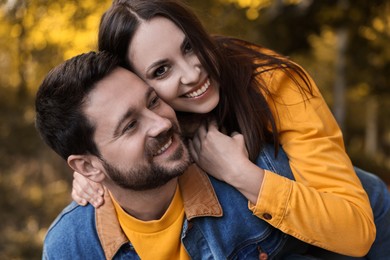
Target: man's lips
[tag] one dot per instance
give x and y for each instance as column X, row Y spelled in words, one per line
column 164, row 147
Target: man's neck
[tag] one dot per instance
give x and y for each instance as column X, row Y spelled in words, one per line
column 145, row 205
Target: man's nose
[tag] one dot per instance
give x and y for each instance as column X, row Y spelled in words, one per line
column 157, row 124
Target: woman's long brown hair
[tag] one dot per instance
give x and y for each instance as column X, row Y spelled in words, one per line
column 234, row 63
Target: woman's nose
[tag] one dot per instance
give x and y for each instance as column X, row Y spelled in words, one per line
column 190, row 73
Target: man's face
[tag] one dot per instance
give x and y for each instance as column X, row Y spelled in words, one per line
column 136, row 133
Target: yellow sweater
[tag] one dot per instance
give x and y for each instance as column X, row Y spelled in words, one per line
column 327, row 194
column 156, row 239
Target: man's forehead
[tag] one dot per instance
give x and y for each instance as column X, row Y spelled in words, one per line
column 120, row 84
column 116, row 92
column 115, row 100
column 123, row 77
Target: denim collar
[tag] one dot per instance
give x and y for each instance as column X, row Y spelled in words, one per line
column 199, row 200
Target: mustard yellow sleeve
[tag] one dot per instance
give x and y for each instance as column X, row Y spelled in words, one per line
column 326, row 206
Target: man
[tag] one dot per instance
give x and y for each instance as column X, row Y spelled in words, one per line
column 112, row 128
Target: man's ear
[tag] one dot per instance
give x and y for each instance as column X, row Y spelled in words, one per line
column 87, row 165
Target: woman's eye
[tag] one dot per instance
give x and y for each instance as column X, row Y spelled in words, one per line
column 160, row 71
column 187, row 47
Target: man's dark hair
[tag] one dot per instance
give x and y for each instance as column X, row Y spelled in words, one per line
column 59, row 102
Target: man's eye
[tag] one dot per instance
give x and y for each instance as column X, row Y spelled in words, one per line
column 160, row 71
column 130, row 126
column 155, row 101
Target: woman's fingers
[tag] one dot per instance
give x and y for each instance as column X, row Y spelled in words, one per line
column 85, row 190
column 212, row 125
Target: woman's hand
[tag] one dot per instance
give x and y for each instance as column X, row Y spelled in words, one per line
column 218, row 154
column 85, row 191
column 226, row 158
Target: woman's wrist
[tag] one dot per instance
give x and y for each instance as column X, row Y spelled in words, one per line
column 247, row 178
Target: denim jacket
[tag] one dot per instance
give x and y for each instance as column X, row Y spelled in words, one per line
column 218, row 223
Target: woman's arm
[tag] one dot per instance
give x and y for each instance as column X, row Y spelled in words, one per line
column 326, row 206
column 327, row 200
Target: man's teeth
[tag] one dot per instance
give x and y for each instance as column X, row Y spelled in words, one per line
column 199, row 91
column 165, row 147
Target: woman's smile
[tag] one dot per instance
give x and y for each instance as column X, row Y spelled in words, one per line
column 199, row 91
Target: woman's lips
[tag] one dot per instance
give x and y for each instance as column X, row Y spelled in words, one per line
column 202, row 89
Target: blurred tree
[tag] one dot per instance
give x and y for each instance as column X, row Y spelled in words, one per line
column 35, row 36
column 355, row 36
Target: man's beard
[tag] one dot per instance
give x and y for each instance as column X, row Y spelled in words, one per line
column 150, row 175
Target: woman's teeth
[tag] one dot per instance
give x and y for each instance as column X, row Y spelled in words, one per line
column 200, row 91
column 164, row 148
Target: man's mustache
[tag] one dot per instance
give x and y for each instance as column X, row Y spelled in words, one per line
column 156, row 143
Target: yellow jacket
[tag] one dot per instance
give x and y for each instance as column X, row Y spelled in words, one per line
column 327, row 205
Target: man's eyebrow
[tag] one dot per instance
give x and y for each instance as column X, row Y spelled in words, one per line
column 130, row 112
column 149, row 92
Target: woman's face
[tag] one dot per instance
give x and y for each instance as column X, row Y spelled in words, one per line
column 161, row 55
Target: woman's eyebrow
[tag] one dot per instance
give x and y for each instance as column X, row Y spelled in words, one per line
column 156, row 64
column 183, row 43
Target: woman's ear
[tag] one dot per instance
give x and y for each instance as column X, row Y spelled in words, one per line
column 87, row 165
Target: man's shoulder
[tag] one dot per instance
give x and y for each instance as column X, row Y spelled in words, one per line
column 72, row 233
column 71, row 217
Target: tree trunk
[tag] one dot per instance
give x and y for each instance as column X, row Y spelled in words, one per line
column 371, row 142
column 340, row 77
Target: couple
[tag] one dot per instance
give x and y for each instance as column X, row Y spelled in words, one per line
column 165, row 45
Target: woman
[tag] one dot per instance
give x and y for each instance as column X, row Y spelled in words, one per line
column 262, row 95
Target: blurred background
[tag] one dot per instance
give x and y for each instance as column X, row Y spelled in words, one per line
column 344, row 44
